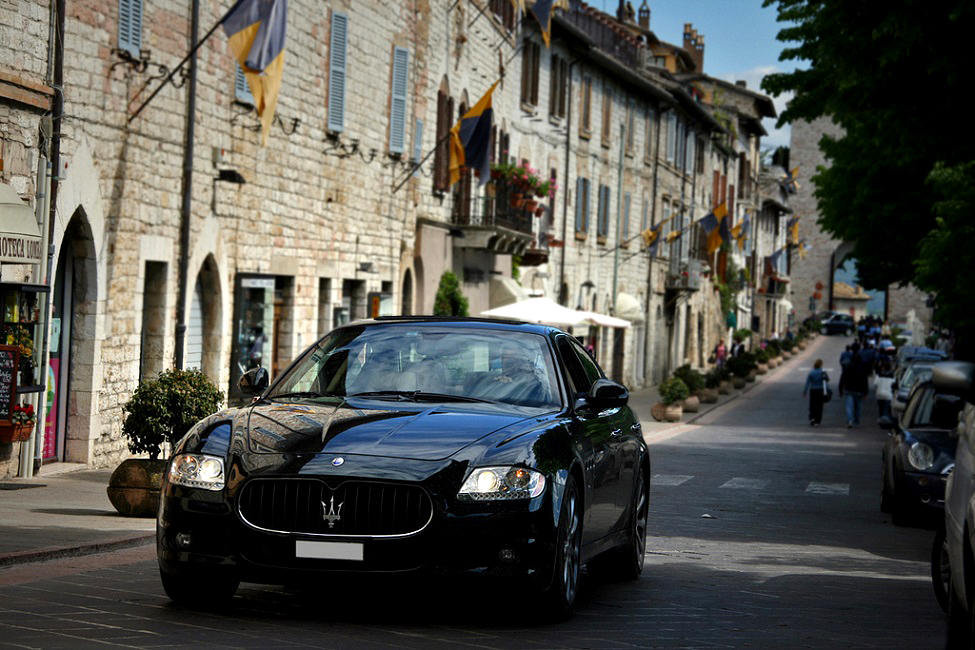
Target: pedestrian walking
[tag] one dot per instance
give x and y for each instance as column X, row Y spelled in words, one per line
column 817, row 385
column 720, row 353
column 884, row 391
column 854, row 383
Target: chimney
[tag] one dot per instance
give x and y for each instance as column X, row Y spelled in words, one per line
column 644, row 15
column 621, row 12
column 741, row 83
column 694, row 44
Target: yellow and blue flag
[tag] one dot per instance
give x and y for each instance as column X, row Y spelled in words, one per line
column 470, row 140
column 721, row 232
column 256, row 31
column 542, row 10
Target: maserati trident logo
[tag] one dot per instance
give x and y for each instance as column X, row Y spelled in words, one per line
column 332, row 513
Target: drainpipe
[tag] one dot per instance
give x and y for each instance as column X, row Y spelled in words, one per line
column 186, row 210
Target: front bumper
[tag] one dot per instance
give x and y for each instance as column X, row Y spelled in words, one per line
column 197, row 532
column 921, row 491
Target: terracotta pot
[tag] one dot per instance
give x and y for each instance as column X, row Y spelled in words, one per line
column 15, row 433
column 540, row 211
column 531, row 205
column 134, row 487
column 773, row 362
column 762, row 368
column 786, row 354
column 724, row 387
column 802, row 345
column 795, row 351
column 708, row 395
column 692, row 404
column 752, row 376
column 517, row 199
column 738, row 382
column 672, row 412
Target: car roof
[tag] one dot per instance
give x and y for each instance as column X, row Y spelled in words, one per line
column 457, row 321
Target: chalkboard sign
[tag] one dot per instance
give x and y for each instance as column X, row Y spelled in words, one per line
column 9, row 364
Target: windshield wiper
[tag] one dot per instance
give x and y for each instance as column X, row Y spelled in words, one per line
column 299, row 393
column 419, row 395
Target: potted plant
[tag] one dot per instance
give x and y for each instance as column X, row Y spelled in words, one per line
column 740, row 368
column 762, row 361
column 712, row 380
column 160, row 411
column 672, row 392
column 723, row 374
column 22, row 420
column 695, row 384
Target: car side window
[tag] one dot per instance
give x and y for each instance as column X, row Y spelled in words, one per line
column 577, row 374
column 918, row 414
column 589, row 366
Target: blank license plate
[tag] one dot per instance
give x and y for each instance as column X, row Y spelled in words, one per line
column 329, row 550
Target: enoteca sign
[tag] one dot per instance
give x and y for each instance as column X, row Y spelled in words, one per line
column 20, row 239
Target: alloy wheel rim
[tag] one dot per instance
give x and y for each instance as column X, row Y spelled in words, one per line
column 570, row 551
column 641, row 525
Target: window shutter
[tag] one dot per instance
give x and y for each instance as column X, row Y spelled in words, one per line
column 397, row 113
column 242, row 91
column 418, row 144
column 579, row 199
column 130, row 26
column 336, row 72
column 626, row 217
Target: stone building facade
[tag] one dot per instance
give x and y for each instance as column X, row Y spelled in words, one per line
column 345, row 213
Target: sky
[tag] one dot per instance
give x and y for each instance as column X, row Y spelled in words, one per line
column 739, row 41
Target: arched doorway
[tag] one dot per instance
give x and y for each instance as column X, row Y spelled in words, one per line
column 406, row 304
column 203, row 329
column 72, row 345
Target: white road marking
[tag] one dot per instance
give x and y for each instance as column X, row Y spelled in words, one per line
column 746, row 484
column 669, row 479
column 816, row 487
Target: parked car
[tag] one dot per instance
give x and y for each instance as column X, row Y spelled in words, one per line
column 838, row 324
column 905, row 377
column 414, row 445
column 918, row 456
column 958, row 378
column 907, row 353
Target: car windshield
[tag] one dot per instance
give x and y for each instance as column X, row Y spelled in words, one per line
column 913, row 374
column 425, row 363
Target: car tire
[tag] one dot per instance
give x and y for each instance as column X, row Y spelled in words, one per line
column 848, row 332
column 886, row 500
column 202, row 591
column 958, row 633
column 940, row 568
column 626, row 562
column 823, row 331
column 560, row 597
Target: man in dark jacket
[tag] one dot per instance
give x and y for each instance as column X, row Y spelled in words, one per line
column 853, row 382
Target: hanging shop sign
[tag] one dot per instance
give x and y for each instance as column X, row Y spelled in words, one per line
column 20, row 240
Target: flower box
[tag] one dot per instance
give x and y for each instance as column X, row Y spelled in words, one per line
column 10, row 433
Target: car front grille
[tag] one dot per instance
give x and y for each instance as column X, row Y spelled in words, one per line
column 353, row 508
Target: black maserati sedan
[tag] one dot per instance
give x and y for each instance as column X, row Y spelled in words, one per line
column 413, row 445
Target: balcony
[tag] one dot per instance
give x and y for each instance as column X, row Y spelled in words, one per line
column 685, row 275
column 499, row 223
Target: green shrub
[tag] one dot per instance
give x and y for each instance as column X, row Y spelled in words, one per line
column 742, row 334
column 691, row 378
column 743, row 364
column 712, row 378
column 450, row 300
column 762, row 356
column 163, row 409
column 774, row 348
column 673, row 390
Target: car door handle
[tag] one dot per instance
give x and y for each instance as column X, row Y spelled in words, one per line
column 616, row 433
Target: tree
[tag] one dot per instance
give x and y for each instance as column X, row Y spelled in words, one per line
column 450, row 300
column 894, row 76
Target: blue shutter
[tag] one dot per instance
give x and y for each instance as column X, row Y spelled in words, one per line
column 242, row 90
column 626, row 217
column 130, row 26
column 336, row 72
column 587, row 212
column 418, row 144
column 397, row 109
column 579, row 199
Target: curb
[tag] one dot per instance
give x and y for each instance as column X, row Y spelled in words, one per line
column 59, row 552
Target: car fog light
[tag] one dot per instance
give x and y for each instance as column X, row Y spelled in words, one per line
column 507, row 555
column 182, row 540
column 923, row 481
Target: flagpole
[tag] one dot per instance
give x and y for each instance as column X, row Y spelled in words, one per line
column 180, row 65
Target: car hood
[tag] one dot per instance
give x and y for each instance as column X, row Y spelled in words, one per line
column 372, row 428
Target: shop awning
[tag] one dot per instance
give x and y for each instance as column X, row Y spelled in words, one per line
column 549, row 312
column 20, row 240
column 628, row 306
column 505, row 291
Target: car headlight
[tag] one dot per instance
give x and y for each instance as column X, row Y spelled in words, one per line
column 502, row 484
column 197, row 471
column 921, row 455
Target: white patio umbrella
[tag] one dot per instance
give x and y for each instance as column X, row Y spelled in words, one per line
column 537, row 310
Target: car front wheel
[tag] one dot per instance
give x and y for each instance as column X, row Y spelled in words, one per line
column 561, row 595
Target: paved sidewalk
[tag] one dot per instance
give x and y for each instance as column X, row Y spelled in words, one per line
column 65, row 511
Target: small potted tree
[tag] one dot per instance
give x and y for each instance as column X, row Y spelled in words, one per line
column 712, row 380
column 762, row 361
column 160, row 411
column 672, row 392
column 740, row 368
column 695, row 384
column 723, row 373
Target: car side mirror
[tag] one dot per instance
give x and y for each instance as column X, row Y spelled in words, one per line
column 886, row 422
column 254, row 382
column 606, row 394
